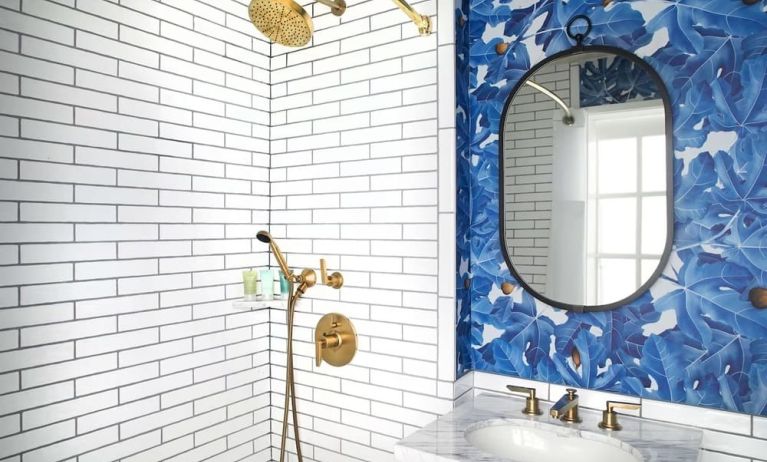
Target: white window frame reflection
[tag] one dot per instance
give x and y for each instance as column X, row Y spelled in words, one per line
column 631, row 121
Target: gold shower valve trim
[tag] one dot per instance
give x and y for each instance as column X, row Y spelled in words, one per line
column 335, row 340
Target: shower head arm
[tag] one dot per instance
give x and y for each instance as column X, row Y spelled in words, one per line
column 422, row 21
column 568, row 118
column 337, row 7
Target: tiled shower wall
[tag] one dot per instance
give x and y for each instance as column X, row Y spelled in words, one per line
column 134, row 165
column 528, row 147
column 363, row 168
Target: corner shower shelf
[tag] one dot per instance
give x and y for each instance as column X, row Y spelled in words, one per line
column 254, row 305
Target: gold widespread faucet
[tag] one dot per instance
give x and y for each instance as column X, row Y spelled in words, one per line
column 610, row 417
column 566, row 409
column 532, row 404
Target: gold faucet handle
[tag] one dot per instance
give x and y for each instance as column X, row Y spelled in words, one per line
column 335, row 280
column 532, row 404
column 610, row 417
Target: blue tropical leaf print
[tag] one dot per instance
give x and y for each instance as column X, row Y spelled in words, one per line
column 693, row 337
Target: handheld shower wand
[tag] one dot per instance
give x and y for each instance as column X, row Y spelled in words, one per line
column 266, row 238
column 306, row 280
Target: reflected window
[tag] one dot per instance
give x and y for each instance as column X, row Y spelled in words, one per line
column 626, row 212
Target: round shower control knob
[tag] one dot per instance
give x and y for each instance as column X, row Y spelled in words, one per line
column 335, row 340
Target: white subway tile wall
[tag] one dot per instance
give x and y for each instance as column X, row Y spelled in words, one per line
column 144, row 142
column 363, row 168
column 528, row 147
column 135, row 172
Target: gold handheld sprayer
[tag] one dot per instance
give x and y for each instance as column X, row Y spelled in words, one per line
column 339, row 354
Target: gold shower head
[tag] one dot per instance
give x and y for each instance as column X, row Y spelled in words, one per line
column 282, row 21
column 286, row 22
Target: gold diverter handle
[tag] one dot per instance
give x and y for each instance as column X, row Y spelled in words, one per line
column 335, row 340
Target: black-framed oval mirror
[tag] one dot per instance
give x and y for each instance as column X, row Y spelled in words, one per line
column 586, row 175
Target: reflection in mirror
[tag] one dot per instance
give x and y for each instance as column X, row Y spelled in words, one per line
column 586, row 179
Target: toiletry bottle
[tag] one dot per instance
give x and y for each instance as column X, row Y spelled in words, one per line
column 267, row 285
column 277, row 286
column 250, row 285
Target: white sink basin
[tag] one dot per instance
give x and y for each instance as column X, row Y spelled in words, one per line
column 540, row 442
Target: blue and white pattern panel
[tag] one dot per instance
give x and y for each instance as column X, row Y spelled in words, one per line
column 615, row 80
column 693, row 337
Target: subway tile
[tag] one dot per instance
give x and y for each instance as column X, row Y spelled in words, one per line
column 39, row 27
column 117, row 232
column 156, row 420
column 113, row 158
column 115, row 86
column 125, row 447
column 115, row 342
column 67, row 134
column 74, row 446
column 9, row 254
column 155, row 386
column 35, row 397
column 63, row 331
column 67, row 370
column 36, row 109
column 154, row 318
column 115, row 378
column 115, row 122
column 34, row 274
column 155, row 146
column 110, row 195
column 31, row 67
column 68, row 95
column 67, row 55
column 36, row 212
column 48, row 253
column 154, row 352
column 36, row 438
column 68, row 409
column 50, row 293
column 118, row 49
column 144, row 284
column 148, row 249
column 71, row 17
column 136, row 214
column 108, row 416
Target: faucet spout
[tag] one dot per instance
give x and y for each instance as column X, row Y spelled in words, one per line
column 566, row 408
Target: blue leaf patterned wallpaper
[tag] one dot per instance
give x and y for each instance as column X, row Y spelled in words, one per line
column 693, row 337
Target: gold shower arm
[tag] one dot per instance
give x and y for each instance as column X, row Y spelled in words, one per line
column 422, row 21
column 337, row 7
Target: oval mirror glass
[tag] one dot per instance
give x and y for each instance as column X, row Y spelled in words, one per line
column 586, row 179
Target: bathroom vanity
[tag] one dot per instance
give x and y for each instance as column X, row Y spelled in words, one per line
column 492, row 428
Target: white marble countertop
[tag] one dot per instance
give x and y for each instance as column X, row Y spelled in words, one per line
column 444, row 439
